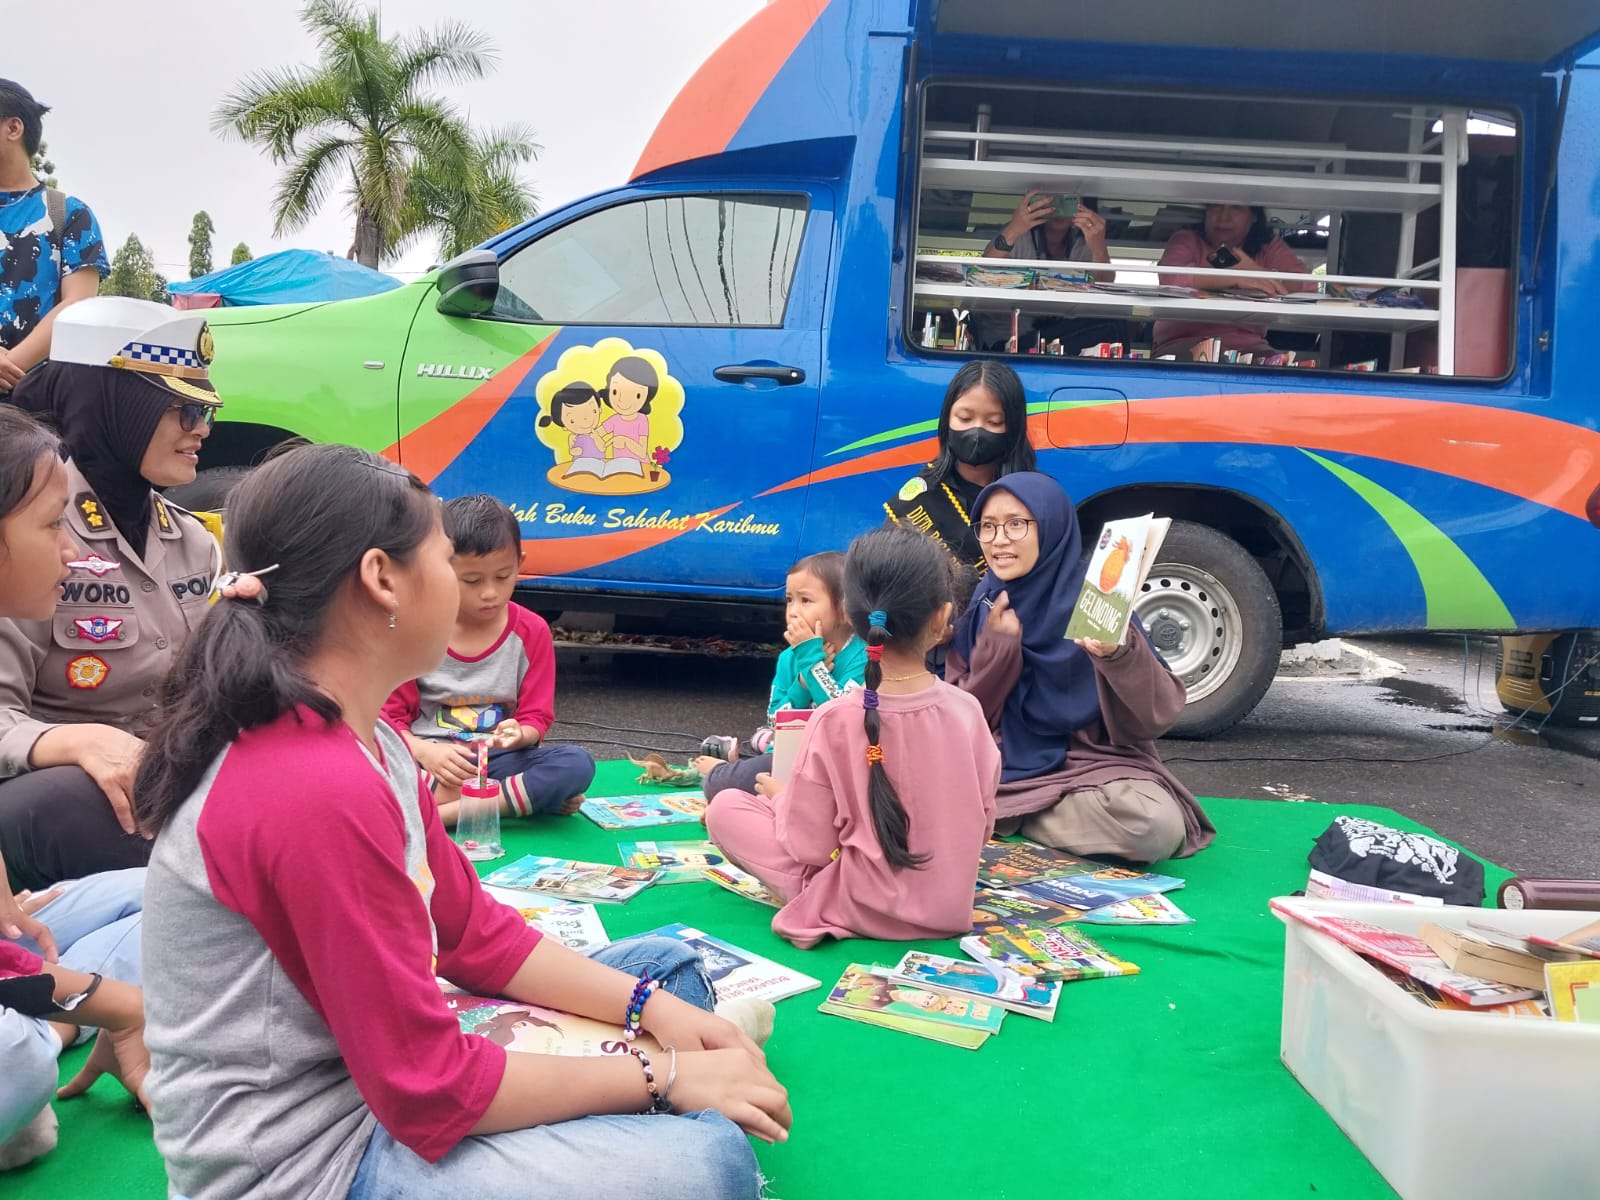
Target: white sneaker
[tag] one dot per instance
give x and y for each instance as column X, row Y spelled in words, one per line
column 754, row 1017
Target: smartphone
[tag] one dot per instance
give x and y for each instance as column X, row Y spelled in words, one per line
column 1224, row 257
column 1065, row 206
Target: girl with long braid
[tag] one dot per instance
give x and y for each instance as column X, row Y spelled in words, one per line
column 878, row 830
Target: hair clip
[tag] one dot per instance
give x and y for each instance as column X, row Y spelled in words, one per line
column 228, row 579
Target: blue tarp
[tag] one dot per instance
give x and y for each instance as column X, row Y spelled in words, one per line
column 290, row 277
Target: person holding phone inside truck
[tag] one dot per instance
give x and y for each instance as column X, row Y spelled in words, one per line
column 1060, row 228
column 1232, row 237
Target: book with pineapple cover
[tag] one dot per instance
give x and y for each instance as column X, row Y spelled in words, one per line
column 735, row 973
column 677, row 862
column 1121, row 559
column 863, row 995
column 646, row 811
column 985, row 980
column 571, row 880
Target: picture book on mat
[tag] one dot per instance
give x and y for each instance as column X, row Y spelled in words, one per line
column 1107, row 886
column 863, row 995
column 572, row 880
column 1057, row 952
column 1141, row 910
column 646, row 811
column 742, row 883
column 677, row 862
column 1005, row 906
column 738, row 974
column 985, row 980
column 576, row 926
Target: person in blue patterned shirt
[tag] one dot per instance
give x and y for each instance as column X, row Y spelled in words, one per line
column 51, row 250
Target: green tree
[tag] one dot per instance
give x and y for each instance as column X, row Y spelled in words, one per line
column 133, row 273
column 200, row 245
column 241, row 254
column 471, row 204
column 43, row 168
column 361, row 118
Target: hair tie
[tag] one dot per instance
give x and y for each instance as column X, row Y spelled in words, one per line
column 874, row 653
column 228, row 579
column 874, row 755
column 878, row 619
column 869, row 698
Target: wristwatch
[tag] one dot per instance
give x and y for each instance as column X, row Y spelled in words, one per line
column 1000, row 242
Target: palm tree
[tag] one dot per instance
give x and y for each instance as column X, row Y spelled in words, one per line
column 360, row 118
column 465, row 206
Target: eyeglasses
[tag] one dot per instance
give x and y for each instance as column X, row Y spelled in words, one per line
column 1016, row 529
column 192, row 416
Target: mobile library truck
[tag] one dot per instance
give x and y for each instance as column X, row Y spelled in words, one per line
column 684, row 384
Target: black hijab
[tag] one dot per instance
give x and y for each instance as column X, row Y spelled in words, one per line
column 106, row 418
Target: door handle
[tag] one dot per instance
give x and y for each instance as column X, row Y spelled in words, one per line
column 742, row 372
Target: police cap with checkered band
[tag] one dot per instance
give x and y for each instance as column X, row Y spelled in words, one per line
column 169, row 349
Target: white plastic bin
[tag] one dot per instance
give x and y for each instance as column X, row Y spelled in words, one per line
column 1446, row 1105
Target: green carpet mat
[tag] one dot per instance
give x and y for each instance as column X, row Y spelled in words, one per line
column 1165, row 1084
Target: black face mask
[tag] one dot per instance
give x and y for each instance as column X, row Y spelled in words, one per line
column 976, row 447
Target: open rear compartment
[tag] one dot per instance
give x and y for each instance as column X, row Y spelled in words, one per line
column 1402, row 217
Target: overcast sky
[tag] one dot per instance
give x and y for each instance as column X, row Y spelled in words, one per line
column 130, row 131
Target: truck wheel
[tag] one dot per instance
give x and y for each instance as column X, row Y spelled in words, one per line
column 1214, row 617
column 209, row 491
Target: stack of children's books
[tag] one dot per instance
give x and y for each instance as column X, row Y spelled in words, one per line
column 1022, row 882
column 568, row 879
column 1480, row 968
column 870, row 995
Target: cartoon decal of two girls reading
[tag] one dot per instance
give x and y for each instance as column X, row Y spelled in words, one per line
column 611, row 415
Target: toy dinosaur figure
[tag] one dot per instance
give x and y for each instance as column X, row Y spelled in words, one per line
column 656, row 770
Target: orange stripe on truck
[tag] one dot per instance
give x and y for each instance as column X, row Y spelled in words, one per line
column 432, row 446
column 720, row 96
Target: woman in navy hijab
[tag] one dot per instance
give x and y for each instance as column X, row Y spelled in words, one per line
column 1076, row 722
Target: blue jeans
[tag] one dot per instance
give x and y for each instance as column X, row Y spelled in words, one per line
column 96, row 926
column 692, row 1156
column 548, row 776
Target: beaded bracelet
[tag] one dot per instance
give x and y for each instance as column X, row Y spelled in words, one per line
column 658, row 1101
column 642, row 991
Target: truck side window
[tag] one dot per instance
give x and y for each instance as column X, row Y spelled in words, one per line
column 719, row 260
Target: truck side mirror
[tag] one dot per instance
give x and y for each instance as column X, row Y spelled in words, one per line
column 468, row 284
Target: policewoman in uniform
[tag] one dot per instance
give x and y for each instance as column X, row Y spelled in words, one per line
column 127, row 387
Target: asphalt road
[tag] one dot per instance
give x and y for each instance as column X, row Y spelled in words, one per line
column 1418, row 742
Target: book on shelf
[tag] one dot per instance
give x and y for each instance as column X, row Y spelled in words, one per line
column 863, row 995
column 737, row 974
column 576, row 926
column 742, row 883
column 572, row 880
column 1484, row 955
column 1409, row 955
column 985, row 980
column 643, row 812
column 675, row 862
column 1048, row 954
column 1574, row 990
column 534, row 1029
column 1122, row 557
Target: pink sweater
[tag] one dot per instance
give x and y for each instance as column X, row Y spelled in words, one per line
column 944, row 764
column 1188, row 249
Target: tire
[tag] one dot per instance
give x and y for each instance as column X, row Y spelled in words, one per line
column 209, row 491
column 1214, row 617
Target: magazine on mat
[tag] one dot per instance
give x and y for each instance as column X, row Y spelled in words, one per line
column 576, row 926
column 1057, row 953
column 959, row 977
column 677, row 862
column 572, row 880
column 1409, row 954
column 863, row 995
column 534, row 1029
column 737, row 974
column 646, row 811
column 1106, row 886
column 1122, row 557
column 1141, row 910
column 742, row 883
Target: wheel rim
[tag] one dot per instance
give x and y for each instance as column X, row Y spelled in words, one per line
column 1193, row 620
